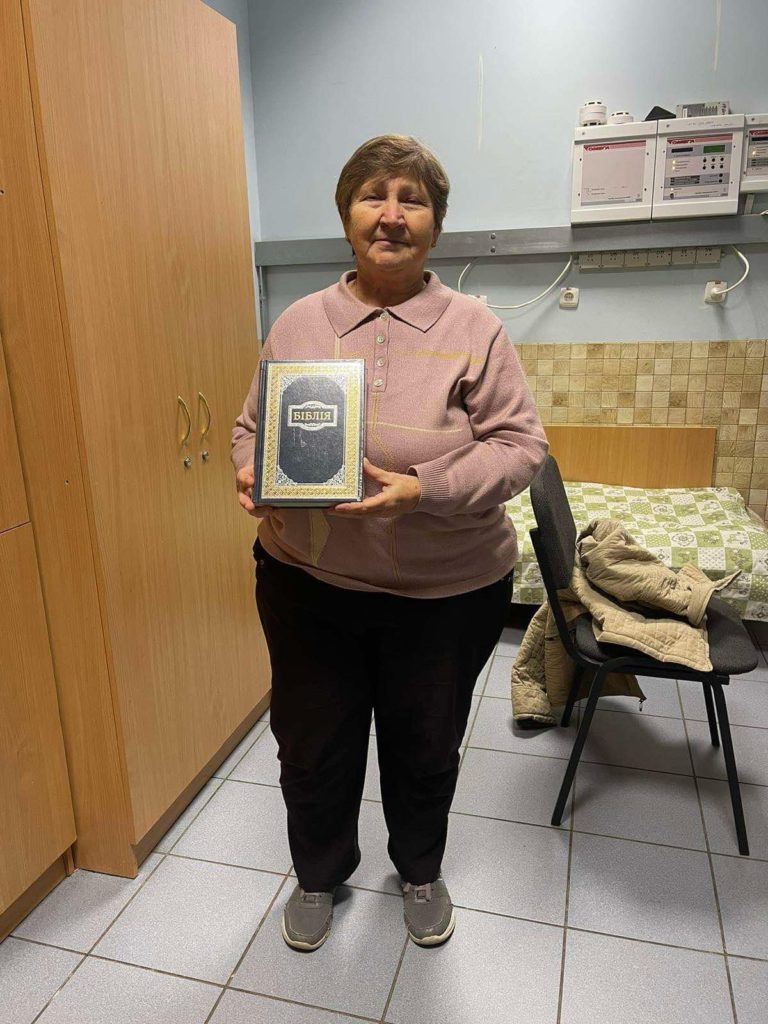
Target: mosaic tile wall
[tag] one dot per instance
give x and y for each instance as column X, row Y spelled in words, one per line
column 718, row 383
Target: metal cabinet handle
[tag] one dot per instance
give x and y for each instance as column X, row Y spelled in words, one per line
column 201, row 398
column 185, row 437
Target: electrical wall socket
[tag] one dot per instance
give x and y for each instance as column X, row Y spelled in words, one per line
column 589, row 261
column 612, row 259
column 711, row 296
column 708, row 254
column 659, row 257
column 569, row 298
column 636, row 258
column 683, row 256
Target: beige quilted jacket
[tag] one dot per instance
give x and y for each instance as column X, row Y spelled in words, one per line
column 611, row 567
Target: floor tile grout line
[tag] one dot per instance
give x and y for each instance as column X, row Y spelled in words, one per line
column 309, row 1006
column 650, row 942
column 564, row 947
column 248, row 945
column 92, row 947
column 715, row 893
column 393, row 986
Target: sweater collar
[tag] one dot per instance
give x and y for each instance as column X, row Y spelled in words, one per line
column 346, row 311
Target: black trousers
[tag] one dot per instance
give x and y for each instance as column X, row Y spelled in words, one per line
column 337, row 655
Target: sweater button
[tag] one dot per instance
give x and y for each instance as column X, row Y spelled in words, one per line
column 379, row 339
column 378, row 382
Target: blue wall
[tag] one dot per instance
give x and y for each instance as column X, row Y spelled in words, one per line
column 327, row 75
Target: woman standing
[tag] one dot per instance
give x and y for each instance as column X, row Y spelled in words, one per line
column 391, row 605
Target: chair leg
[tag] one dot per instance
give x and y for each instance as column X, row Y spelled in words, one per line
column 711, row 714
column 586, row 720
column 730, row 767
column 568, row 709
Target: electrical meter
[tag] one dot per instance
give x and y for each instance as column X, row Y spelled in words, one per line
column 754, row 173
column 613, row 172
column 698, row 166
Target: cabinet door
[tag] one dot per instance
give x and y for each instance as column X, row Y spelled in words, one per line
column 13, row 500
column 36, row 820
column 138, row 157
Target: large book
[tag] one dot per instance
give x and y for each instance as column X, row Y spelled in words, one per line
column 310, row 437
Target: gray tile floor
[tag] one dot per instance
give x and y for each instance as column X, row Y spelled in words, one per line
column 637, row 909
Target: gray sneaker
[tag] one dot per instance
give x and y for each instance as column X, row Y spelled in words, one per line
column 307, row 917
column 428, row 912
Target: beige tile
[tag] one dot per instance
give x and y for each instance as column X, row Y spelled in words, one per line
column 659, row 399
column 661, row 366
column 728, row 433
column 733, row 382
column 697, row 382
column 761, row 448
column 626, row 400
column 679, row 382
column 750, row 400
column 731, row 399
column 612, row 350
column 609, row 381
column 644, row 382
column 592, row 400
column 759, row 480
column 699, row 350
column 694, row 416
column 578, row 382
column 716, row 365
column 659, row 415
column 754, row 365
column 561, row 366
column 627, row 381
column 546, row 351
column 662, row 382
column 725, row 449
column 735, row 364
column 624, row 415
column 559, row 415
column 743, row 449
column 576, row 399
column 755, row 348
column 561, row 382
column 628, row 350
column 682, row 349
column 592, row 382
column 578, row 351
column 559, row 398
column 762, row 416
column 743, row 466
column 752, row 382
column 642, row 415
column 608, row 399
column 645, row 366
column 698, row 365
column 737, row 348
column 643, row 399
column 664, row 349
column 718, row 348
column 747, row 416
column 696, row 399
column 574, row 415
column 676, row 416
column 611, row 366
column 678, row 399
column 727, row 416
column 595, row 350
column 545, row 367
column 543, row 384
column 711, row 417
column 607, row 415
column 715, row 381
column 681, row 365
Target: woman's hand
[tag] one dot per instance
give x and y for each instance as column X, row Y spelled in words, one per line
column 245, row 482
column 399, row 494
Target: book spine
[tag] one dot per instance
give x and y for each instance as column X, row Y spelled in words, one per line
column 258, row 455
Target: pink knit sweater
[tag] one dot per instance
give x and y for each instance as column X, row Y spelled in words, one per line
column 446, row 399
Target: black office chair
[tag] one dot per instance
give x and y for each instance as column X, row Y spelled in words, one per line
column 730, row 647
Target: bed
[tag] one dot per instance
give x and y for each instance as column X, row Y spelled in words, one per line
column 656, row 481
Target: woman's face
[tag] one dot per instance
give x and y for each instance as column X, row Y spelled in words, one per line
column 391, row 225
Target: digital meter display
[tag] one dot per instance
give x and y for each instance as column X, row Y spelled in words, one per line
column 714, row 149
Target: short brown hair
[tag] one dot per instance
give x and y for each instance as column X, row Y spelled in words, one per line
column 392, row 156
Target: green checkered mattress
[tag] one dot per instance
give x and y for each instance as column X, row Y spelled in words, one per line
column 709, row 526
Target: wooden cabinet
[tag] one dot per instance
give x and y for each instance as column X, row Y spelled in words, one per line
column 125, row 246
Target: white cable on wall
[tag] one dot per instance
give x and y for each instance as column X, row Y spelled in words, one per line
column 742, row 279
column 519, row 305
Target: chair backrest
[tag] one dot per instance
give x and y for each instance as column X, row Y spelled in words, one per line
column 557, row 530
